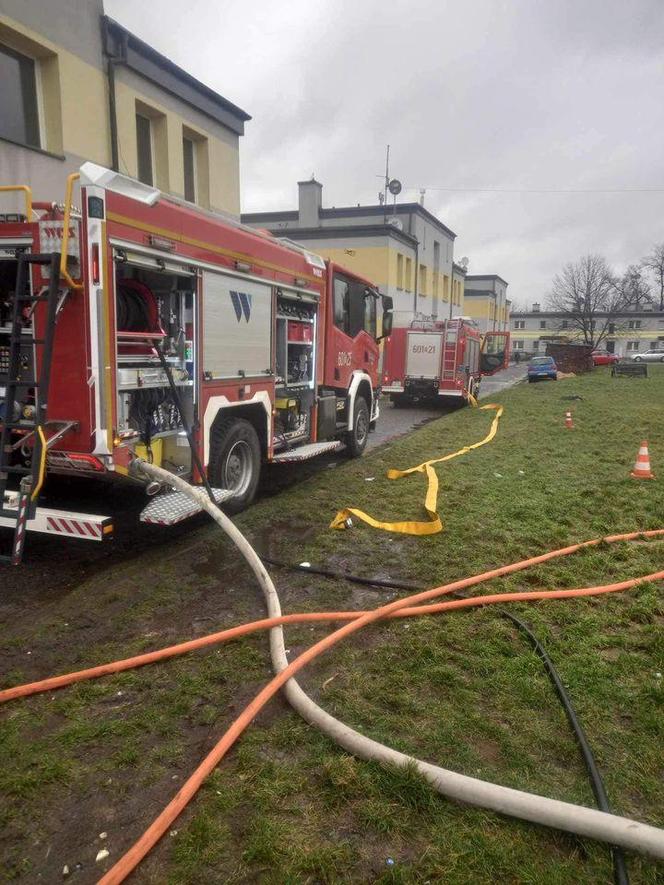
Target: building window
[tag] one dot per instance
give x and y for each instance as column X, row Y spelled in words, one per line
column 519, row 324
column 632, row 345
column 518, row 345
column 189, row 158
column 654, row 345
column 19, row 105
column 612, row 328
column 536, row 345
column 542, row 324
column 564, row 324
column 446, row 288
column 423, row 280
column 409, row 274
column 399, row 270
column 634, row 324
column 144, row 149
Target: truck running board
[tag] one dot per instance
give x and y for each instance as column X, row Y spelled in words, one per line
column 304, row 453
column 170, row 508
column 64, row 523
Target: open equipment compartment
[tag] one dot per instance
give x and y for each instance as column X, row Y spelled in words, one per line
column 155, row 307
column 24, row 405
column 295, row 357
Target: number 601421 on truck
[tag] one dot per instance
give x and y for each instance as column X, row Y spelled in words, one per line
column 143, row 326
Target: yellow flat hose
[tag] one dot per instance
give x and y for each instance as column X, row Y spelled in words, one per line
column 433, row 524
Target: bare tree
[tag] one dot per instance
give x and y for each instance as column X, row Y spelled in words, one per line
column 590, row 298
column 635, row 288
column 655, row 264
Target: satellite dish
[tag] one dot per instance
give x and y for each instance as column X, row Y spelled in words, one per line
column 396, row 222
column 464, row 263
column 394, row 187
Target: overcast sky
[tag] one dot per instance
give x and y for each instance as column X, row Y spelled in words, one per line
column 496, row 94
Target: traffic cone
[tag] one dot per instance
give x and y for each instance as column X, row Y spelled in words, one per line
column 569, row 424
column 642, row 466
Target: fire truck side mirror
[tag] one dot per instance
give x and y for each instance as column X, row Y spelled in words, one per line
column 388, row 303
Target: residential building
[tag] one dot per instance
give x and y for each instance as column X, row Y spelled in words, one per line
column 404, row 248
column 630, row 332
column 486, row 302
column 78, row 86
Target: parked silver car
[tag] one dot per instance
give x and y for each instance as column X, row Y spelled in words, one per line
column 649, row 356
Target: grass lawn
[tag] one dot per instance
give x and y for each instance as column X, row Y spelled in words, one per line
column 461, row 689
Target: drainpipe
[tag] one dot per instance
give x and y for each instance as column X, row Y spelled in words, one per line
column 451, row 286
column 417, row 272
column 112, row 60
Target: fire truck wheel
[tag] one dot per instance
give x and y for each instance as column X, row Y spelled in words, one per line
column 235, row 461
column 356, row 439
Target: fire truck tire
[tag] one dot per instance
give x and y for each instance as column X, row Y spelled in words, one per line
column 235, row 461
column 356, row 439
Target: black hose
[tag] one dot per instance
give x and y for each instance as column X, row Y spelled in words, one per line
column 620, row 876
column 187, row 428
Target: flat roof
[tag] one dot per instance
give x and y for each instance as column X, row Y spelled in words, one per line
column 486, row 276
column 338, row 232
column 140, row 57
column 352, row 212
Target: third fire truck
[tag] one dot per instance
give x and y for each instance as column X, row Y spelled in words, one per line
column 139, row 325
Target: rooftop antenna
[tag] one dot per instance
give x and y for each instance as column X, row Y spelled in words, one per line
column 423, row 191
column 387, row 184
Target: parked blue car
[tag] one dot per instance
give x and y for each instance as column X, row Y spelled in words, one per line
column 542, row 367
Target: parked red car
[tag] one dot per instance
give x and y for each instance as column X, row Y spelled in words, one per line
column 604, row 358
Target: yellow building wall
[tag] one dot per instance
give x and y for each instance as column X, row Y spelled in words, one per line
column 75, row 120
column 377, row 264
column 478, row 308
column 222, row 174
column 75, row 98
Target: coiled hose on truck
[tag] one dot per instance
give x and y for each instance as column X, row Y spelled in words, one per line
column 565, row 816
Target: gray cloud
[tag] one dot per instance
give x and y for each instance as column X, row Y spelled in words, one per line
column 514, row 94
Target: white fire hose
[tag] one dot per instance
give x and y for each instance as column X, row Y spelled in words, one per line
column 566, row 816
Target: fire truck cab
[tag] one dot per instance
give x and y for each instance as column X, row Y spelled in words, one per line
column 148, row 326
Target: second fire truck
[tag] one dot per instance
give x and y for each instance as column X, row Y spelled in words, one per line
column 141, row 325
column 440, row 359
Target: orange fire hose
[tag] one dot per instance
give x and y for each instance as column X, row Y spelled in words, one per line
column 119, row 872
column 163, row 821
column 400, row 607
column 54, row 682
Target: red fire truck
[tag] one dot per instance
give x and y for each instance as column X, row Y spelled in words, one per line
column 447, row 359
column 141, row 325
